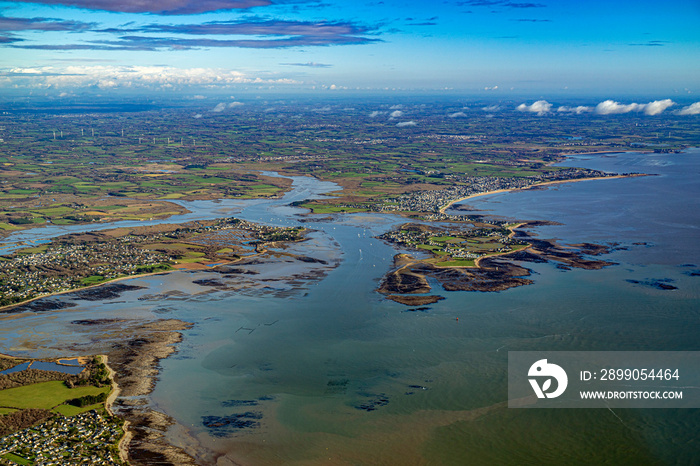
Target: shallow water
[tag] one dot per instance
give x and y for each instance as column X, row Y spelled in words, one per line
column 52, row 366
column 327, row 371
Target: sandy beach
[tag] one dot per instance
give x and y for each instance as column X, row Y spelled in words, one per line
column 547, row 183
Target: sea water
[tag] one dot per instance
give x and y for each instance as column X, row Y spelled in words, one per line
column 346, row 374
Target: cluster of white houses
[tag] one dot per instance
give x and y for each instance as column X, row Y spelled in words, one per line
column 84, row 439
column 434, row 200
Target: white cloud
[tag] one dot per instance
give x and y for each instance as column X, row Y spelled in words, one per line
column 457, row 115
column 610, row 107
column 406, row 123
column 540, row 107
column 375, row 114
column 131, row 77
column 220, row 107
column 494, row 88
column 198, row 115
column 491, row 108
column 577, row 110
column 396, row 107
column 658, row 106
column 692, row 109
column 396, row 114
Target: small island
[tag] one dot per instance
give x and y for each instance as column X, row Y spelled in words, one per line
column 474, row 255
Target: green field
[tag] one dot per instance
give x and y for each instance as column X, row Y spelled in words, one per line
column 70, row 410
column 92, row 280
column 457, row 263
column 54, row 179
column 330, row 209
column 16, row 459
column 45, row 395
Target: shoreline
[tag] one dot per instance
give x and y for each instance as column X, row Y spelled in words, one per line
column 598, row 152
column 546, row 183
column 3, row 309
column 48, row 295
column 122, row 446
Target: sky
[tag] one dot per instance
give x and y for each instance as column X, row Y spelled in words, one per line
column 538, row 48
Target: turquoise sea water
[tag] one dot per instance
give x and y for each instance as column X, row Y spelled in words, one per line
column 325, row 371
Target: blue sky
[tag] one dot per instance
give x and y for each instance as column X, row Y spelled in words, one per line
column 495, row 47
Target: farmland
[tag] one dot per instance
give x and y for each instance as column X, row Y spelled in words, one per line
column 80, row 167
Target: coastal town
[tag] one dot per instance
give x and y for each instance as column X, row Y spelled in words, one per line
column 434, row 201
column 28, row 275
column 74, row 261
column 87, row 438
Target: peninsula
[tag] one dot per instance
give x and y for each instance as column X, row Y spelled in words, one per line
column 76, row 261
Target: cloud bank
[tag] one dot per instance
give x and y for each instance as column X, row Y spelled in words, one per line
column 577, row 110
column 42, row 24
column 310, row 64
column 610, row 107
column 271, row 27
column 251, row 33
column 541, row 107
column 692, row 109
column 129, row 77
column 159, row 7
